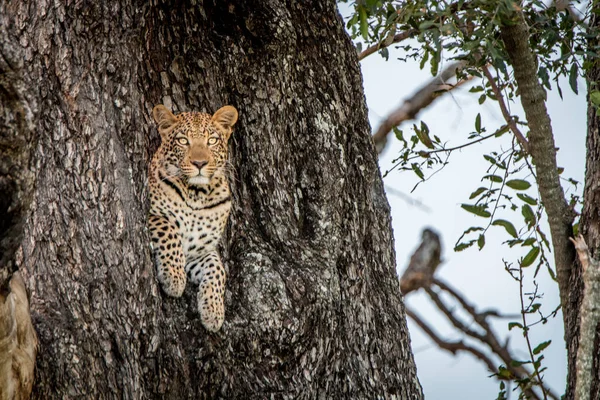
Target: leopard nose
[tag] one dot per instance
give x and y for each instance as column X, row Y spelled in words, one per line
column 199, row 164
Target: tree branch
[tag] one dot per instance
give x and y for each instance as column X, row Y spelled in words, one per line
column 420, row 274
column 507, row 117
column 421, row 99
column 395, row 39
column 452, row 347
column 488, row 338
column 590, row 316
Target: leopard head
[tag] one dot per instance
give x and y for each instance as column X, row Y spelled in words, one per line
column 194, row 144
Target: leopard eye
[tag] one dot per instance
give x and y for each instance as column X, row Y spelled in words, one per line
column 213, row 140
column 183, row 141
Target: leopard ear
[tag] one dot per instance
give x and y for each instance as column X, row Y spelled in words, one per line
column 164, row 118
column 225, row 117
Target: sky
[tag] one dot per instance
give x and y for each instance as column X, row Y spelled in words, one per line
column 479, row 275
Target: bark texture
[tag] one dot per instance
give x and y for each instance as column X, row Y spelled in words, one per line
column 18, row 116
column 313, row 307
column 590, row 229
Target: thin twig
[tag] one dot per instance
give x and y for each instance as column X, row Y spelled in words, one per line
column 526, row 333
column 505, row 113
column 462, row 146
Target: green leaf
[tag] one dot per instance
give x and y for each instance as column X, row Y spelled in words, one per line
column 385, row 53
column 501, row 131
column 534, row 307
column 478, row 123
column 527, row 199
column 417, row 170
column 540, row 347
column 399, row 136
column 482, row 98
column 543, row 74
column 478, row 210
column 435, row 63
column 491, row 160
column 426, row 25
column 530, row 257
column 477, row 193
column 504, row 373
column 514, row 325
column 516, row 363
column 424, row 59
column 573, row 78
column 528, row 242
column 510, row 228
column 364, row 27
column 423, row 135
column 481, row 241
column 463, row 246
column 528, row 214
column 493, row 178
column 518, row 184
column 551, row 272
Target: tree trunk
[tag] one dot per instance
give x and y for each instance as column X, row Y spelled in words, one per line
column 543, row 152
column 313, row 306
column 589, row 228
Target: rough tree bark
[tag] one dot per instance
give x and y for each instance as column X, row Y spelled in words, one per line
column 18, row 114
column 313, row 302
column 589, row 228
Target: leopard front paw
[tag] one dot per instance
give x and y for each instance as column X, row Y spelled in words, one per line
column 172, row 284
column 212, row 311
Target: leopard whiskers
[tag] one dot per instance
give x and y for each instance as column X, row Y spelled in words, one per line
column 168, row 177
column 228, row 169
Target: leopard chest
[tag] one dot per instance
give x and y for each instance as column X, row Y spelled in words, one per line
column 200, row 213
column 202, row 229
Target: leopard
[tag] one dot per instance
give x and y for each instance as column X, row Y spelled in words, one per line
column 190, row 202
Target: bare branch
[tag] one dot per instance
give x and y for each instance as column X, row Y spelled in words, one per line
column 452, row 347
column 488, row 338
column 480, row 317
column 421, row 99
column 420, row 274
column 590, row 316
column 507, row 117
